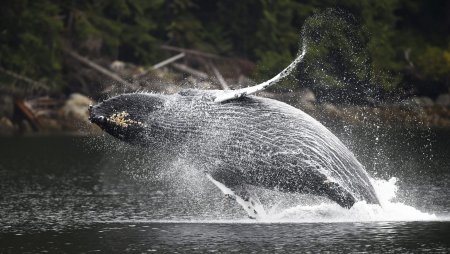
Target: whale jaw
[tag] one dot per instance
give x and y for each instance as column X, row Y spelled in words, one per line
column 117, row 121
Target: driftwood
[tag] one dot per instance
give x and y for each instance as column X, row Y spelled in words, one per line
column 191, row 52
column 34, row 84
column 208, row 60
column 163, row 63
column 198, row 57
column 187, row 69
column 10, row 89
column 220, row 78
column 24, row 110
column 169, row 60
column 100, row 69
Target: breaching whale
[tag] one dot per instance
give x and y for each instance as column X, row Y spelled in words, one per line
column 239, row 139
column 245, row 140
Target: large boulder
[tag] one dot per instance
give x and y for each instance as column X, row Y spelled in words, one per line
column 307, row 97
column 6, row 106
column 77, row 107
column 424, row 101
column 417, row 101
column 6, row 126
column 76, row 115
column 443, row 100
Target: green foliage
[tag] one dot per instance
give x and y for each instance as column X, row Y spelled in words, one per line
column 30, row 39
column 270, row 62
column 337, row 55
column 364, row 50
column 119, row 28
column 434, row 64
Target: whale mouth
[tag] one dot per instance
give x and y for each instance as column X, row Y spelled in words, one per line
column 96, row 119
column 99, row 120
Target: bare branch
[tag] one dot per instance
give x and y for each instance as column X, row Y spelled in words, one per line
column 28, row 80
column 191, row 52
column 168, row 61
column 163, row 63
column 219, row 77
column 191, row 71
column 100, row 69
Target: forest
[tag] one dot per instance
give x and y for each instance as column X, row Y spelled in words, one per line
column 393, row 47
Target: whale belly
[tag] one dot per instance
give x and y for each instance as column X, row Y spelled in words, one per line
column 273, row 145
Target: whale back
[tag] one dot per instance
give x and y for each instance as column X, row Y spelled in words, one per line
column 265, row 142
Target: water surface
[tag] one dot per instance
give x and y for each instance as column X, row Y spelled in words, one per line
column 72, row 194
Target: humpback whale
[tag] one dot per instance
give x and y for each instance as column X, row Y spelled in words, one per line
column 240, row 141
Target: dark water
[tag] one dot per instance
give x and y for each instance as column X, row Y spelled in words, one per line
column 70, row 194
column 237, row 238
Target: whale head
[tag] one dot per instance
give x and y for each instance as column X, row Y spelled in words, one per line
column 127, row 116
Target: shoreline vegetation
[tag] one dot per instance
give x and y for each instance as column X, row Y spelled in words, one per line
column 47, row 114
column 366, row 62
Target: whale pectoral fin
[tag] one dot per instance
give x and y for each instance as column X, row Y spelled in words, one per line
column 236, row 94
column 339, row 195
column 250, row 204
column 227, row 191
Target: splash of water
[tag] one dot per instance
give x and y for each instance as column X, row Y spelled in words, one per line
column 191, row 183
column 389, row 210
column 327, row 212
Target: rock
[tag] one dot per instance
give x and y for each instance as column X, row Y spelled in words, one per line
column 76, row 107
column 306, row 99
column 416, row 101
column 117, row 66
column 406, row 103
column 49, row 125
column 6, row 106
column 331, row 109
column 25, row 127
column 307, row 96
column 75, row 116
column 424, row 101
column 443, row 100
column 6, row 126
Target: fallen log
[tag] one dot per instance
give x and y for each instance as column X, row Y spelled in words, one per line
column 34, row 84
column 163, row 63
column 24, row 111
column 191, row 52
column 187, row 69
column 100, row 69
column 220, row 78
column 168, row 61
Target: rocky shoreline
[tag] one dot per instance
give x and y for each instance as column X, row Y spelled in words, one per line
column 45, row 115
column 62, row 113
column 420, row 112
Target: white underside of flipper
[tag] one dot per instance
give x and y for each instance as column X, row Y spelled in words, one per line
column 252, row 206
column 230, row 95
